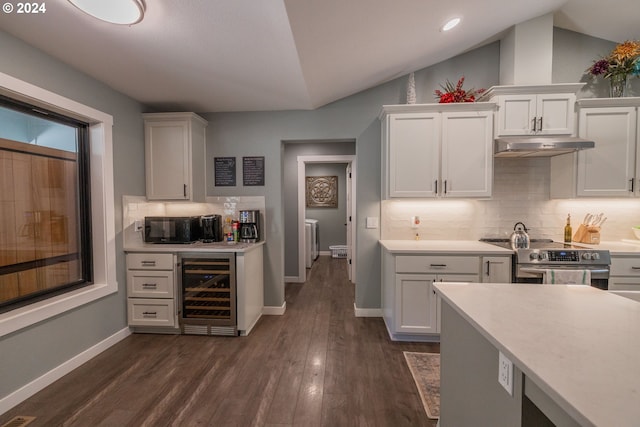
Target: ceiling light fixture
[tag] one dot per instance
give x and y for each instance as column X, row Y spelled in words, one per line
column 123, row 12
column 451, row 23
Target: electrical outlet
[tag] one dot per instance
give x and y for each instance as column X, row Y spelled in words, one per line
column 138, row 225
column 415, row 221
column 505, row 373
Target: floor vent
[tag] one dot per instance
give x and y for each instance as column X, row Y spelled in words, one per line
column 19, row 421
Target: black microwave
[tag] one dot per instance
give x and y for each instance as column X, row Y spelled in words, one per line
column 167, row 229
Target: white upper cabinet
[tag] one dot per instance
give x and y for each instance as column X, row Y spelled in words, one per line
column 175, row 156
column 437, row 150
column 534, row 110
column 612, row 168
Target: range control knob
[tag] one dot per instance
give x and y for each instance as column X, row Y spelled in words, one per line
column 533, row 256
column 595, row 255
column 586, row 255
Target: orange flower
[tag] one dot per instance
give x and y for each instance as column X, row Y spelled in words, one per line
column 625, row 51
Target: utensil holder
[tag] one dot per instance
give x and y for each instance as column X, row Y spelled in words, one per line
column 587, row 234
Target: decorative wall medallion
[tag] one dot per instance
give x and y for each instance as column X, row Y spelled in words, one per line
column 322, row 191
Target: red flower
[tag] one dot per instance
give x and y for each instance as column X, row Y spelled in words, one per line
column 456, row 93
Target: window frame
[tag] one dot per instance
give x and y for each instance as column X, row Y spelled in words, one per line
column 102, row 206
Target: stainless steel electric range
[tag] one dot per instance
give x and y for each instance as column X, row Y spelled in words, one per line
column 529, row 265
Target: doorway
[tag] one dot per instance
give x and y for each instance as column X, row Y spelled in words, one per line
column 350, row 164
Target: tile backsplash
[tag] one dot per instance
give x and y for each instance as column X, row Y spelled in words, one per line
column 135, row 208
column 520, row 193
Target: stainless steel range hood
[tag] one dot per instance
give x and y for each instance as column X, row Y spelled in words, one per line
column 540, row 146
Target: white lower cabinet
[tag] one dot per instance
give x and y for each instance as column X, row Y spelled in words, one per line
column 625, row 273
column 151, row 301
column 415, row 304
column 496, row 269
column 411, row 308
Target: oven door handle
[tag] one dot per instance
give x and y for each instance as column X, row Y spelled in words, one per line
column 542, row 270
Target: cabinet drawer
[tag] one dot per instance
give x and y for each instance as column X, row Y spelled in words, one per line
column 150, row 284
column 625, row 266
column 437, row 264
column 146, row 261
column 150, row 312
column 624, row 283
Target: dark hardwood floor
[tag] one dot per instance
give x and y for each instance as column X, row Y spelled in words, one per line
column 317, row 365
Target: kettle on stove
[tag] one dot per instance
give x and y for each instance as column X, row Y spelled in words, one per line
column 519, row 238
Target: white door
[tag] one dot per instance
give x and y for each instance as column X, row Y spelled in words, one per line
column 415, row 304
column 414, row 154
column 496, row 269
column 348, row 222
column 467, row 155
column 608, row 169
column 555, row 112
column 516, row 114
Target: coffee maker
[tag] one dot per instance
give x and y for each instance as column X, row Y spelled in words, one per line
column 211, row 228
column 249, row 226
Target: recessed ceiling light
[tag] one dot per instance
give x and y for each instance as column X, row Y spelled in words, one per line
column 124, row 12
column 451, row 23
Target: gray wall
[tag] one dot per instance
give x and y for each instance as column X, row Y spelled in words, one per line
column 29, row 353
column 333, row 230
column 293, row 149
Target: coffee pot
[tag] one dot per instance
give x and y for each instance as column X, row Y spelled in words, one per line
column 519, row 238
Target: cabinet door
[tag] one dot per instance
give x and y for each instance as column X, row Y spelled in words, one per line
column 167, row 160
column 516, row 115
column 467, row 155
column 415, row 308
column 608, row 169
column 414, row 154
column 496, row 269
column 555, row 114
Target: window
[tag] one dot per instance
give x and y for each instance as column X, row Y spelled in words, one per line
column 45, row 243
column 103, row 233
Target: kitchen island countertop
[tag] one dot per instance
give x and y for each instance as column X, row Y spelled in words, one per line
column 580, row 345
column 472, row 247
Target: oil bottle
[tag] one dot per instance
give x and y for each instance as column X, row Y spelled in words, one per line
column 567, row 230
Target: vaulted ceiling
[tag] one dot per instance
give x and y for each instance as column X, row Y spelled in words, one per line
column 248, row 55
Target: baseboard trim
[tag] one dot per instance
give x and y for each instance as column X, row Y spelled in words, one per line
column 324, row 253
column 58, row 372
column 274, row 310
column 293, row 279
column 367, row 312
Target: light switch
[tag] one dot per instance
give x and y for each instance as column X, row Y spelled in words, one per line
column 372, row 222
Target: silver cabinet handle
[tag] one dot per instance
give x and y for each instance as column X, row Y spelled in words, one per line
column 533, row 124
column 436, row 184
column 149, row 285
column 635, row 268
column 488, row 267
column 540, row 124
column 148, row 263
column 632, row 181
column 150, row 314
column 445, row 186
column 438, row 265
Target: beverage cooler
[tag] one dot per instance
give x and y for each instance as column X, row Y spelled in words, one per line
column 208, row 294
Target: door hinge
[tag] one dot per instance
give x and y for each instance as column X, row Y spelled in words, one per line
column 349, row 218
column 349, row 261
column 349, row 174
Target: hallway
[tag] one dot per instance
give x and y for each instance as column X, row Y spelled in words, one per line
column 317, row 365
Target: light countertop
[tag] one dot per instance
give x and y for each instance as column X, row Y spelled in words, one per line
column 444, row 247
column 195, row 247
column 620, row 247
column 579, row 344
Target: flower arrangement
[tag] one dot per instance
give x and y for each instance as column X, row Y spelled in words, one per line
column 623, row 61
column 456, row 93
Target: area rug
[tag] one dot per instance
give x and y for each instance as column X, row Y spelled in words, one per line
column 425, row 369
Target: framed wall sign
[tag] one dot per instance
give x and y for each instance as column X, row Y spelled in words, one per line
column 225, row 171
column 321, row 191
column 253, row 170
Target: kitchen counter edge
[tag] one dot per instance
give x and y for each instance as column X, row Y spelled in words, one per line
column 196, row 247
column 459, row 247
